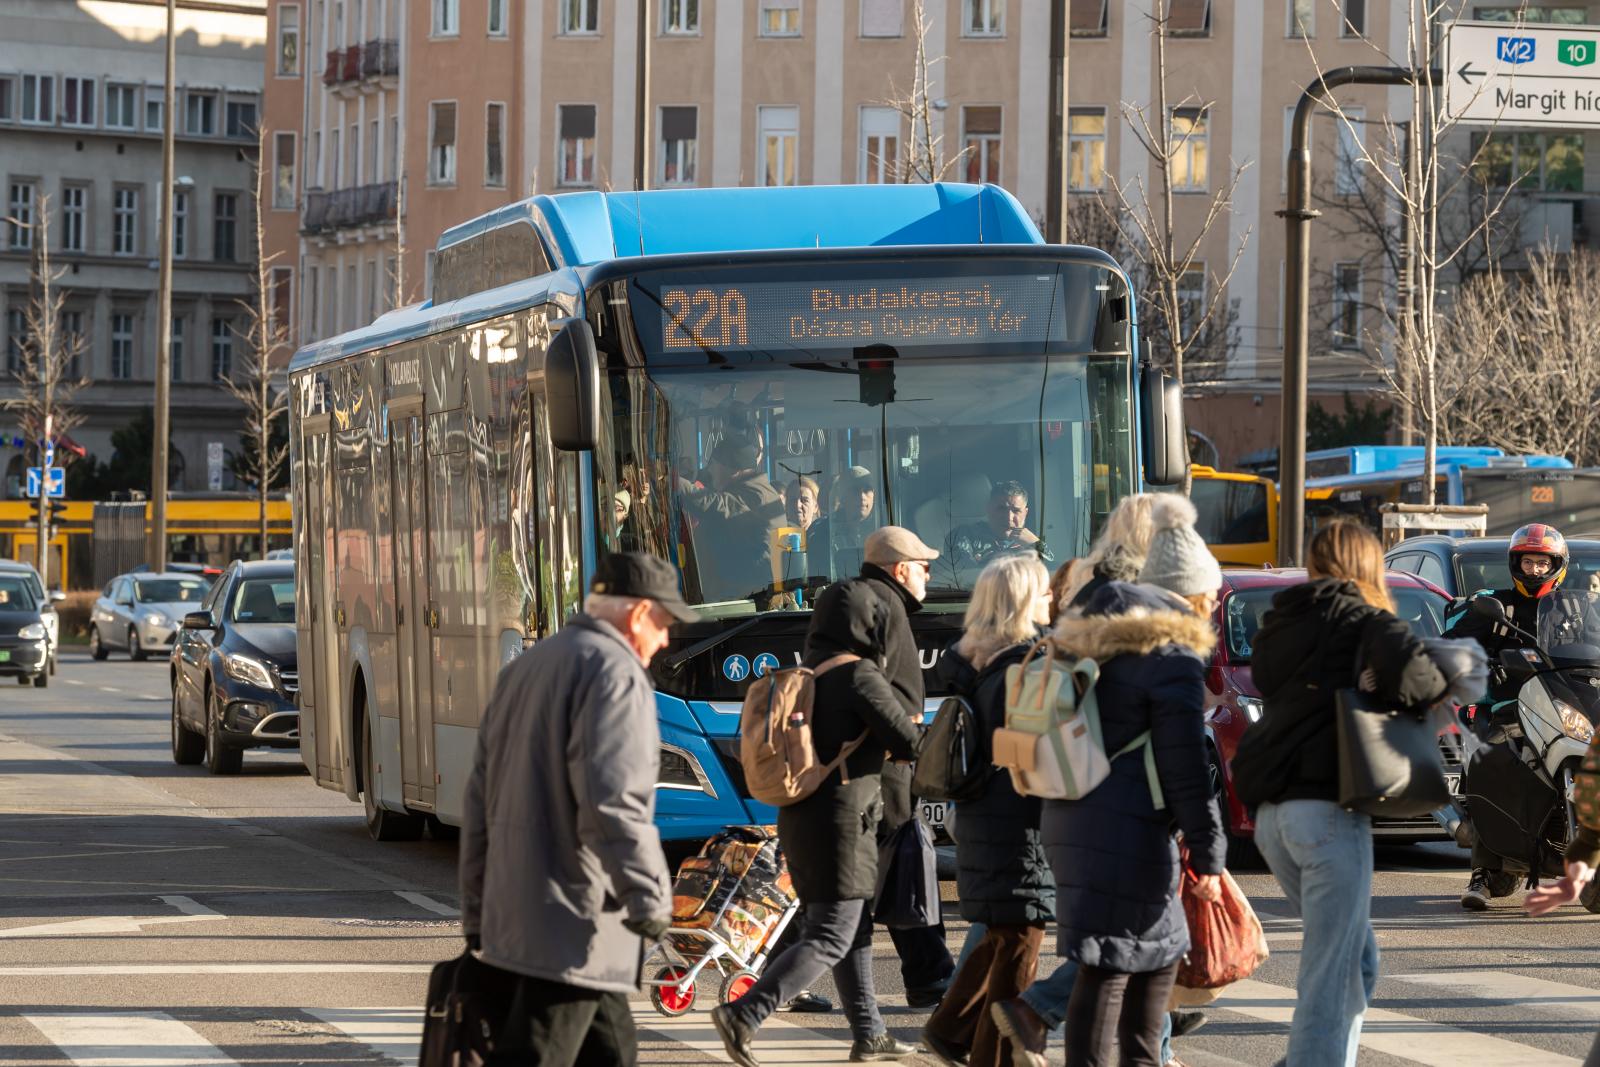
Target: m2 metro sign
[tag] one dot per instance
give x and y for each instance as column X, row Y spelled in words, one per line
column 1522, row 75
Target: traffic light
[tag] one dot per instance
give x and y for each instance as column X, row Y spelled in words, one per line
column 875, row 365
column 50, row 509
column 56, row 508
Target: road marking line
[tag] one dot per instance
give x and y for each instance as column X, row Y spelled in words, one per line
column 780, row 1042
column 127, row 1039
column 72, row 681
column 107, row 924
column 108, row 689
column 394, row 1032
column 135, row 969
column 427, row 903
column 191, row 907
column 1507, row 988
column 1394, row 1034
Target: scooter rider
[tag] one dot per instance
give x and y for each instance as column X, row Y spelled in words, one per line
column 1538, row 559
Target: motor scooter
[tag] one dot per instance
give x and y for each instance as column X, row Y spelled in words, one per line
column 1520, row 774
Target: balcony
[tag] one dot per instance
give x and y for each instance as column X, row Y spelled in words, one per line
column 344, row 209
column 380, row 59
column 362, row 66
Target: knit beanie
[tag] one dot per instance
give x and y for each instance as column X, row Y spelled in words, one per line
column 1179, row 561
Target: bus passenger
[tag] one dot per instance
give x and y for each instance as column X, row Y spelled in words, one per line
column 737, row 517
column 800, row 502
column 1004, row 531
column 840, row 535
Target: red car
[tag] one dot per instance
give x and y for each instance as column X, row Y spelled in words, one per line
column 1233, row 701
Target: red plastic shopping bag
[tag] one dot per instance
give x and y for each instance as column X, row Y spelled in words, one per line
column 1226, row 942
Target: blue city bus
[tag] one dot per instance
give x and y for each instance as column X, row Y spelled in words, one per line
column 584, row 370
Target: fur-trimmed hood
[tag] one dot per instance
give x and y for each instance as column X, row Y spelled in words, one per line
column 1124, row 618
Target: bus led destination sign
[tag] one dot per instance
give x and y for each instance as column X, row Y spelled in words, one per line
column 766, row 316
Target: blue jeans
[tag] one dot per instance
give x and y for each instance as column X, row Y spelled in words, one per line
column 836, row 937
column 1048, row 996
column 1322, row 857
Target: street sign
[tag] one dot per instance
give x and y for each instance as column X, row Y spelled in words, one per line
column 58, row 482
column 1510, row 75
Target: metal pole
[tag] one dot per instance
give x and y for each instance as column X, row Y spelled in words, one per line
column 1408, row 282
column 159, row 447
column 641, row 102
column 1056, row 193
column 1297, row 218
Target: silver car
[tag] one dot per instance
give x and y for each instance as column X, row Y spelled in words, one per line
column 142, row 613
column 47, row 602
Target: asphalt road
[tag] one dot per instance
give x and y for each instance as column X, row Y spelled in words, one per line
column 152, row 914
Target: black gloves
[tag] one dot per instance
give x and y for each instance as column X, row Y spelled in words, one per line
column 650, row 928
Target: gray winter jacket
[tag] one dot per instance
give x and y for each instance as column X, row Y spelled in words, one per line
column 559, row 846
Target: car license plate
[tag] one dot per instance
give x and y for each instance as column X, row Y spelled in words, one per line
column 1454, row 782
column 5, row 657
column 933, row 812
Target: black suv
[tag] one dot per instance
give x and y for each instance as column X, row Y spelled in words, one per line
column 1462, row 566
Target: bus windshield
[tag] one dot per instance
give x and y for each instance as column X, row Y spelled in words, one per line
column 762, row 471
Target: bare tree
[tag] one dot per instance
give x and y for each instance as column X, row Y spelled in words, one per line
column 47, row 375
column 265, row 340
column 1144, row 216
column 923, row 159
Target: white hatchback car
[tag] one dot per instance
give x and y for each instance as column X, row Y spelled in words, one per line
column 142, row 613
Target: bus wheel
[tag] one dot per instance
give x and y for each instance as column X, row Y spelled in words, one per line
column 440, row 830
column 382, row 824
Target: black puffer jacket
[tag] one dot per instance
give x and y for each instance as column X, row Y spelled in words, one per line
column 1113, row 853
column 830, row 838
column 1002, row 874
column 1306, row 651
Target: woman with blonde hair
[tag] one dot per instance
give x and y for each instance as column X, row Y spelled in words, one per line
column 1001, row 870
column 1336, row 631
column 1117, row 553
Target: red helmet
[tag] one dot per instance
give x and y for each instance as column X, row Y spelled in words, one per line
column 1538, row 539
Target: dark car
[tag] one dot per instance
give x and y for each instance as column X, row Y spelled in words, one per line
column 235, row 684
column 1462, row 566
column 1235, row 702
column 24, row 637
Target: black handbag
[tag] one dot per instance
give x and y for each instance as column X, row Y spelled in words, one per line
column 1389, row 761
column 908, row 879
column 468, row 1001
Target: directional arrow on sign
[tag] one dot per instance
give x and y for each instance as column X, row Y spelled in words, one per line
column 1467, row 73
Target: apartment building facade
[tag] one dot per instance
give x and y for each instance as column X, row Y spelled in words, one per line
column 496, row 101
column 81, row 102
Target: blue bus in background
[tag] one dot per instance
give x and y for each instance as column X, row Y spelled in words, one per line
column 586, row 369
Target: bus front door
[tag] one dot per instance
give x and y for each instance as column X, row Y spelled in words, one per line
column 414, row 651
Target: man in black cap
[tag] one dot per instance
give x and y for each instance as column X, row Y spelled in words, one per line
column 562, row 872
column 737, row 518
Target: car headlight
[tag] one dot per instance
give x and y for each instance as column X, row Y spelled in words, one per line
column 1253, row 707
column 1574, row 723
column 246, row 670
column 155, row 618
column 34, row 631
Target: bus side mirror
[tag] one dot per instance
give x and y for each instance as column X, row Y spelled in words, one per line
column 572, row 387
column 1166, row 449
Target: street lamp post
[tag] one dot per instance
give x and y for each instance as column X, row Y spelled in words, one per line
column 159, row 447
column 641, row 102
column 1056, row 199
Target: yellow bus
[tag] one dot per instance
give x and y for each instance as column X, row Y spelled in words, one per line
column 1238, row 516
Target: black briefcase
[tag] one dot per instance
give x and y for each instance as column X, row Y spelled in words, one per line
column 1389, row 761
column 468, row 1000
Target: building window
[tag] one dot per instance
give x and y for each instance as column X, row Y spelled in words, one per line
column 1086, row 148
column 392, row 149
column 679, row 142
column 1567, row 16
column 1347, row 305
column 1347, row 163
column 73, row 340
column 1190, row 18
column 201, row 114
column 1534, row 162
column 122, row 107
column 39, row 98
column 241, row 120
column 981, row 141
column 497, row 19
column 281, row 287
column 1353, row 18
column 441, row 144
column 879, row 148
column 121, row 346
column 580, row 16
column 308, row 301
column 8, row 98
column 883, row 18
column 575, row 153
column 446, row 18
column 77, row 101
column 372, row 289
column 124, row 221
column 19, row 216
column 176, row 348
column 1089, row 18
column 225, row 226
column 1300, row 19
column 283, row 171
column 494, row 150
column 335, row 160
column 353, row 147
column 780, row 18
column 779, row 144
column 1191, row 299
column 352, row 308
column 1190, row 133
column 221, row 349
column 984, row 18
column 74, row 211
column 154, row 102
column 372, row 152
column 680, row 16
column 16, row 331
column 391, row 276
column 289, row 40
column 180, row 224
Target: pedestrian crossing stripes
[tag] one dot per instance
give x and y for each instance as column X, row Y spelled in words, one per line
column 127, row 1039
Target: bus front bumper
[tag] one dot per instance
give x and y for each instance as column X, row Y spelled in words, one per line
column 700, row 789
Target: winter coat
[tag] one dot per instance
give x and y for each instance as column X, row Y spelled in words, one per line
column 1002, row 875
column 1112, row 852
column 1307, row 649
column 559, row 845
column 733, row 543
column 830, row 838
column 1562, row 617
